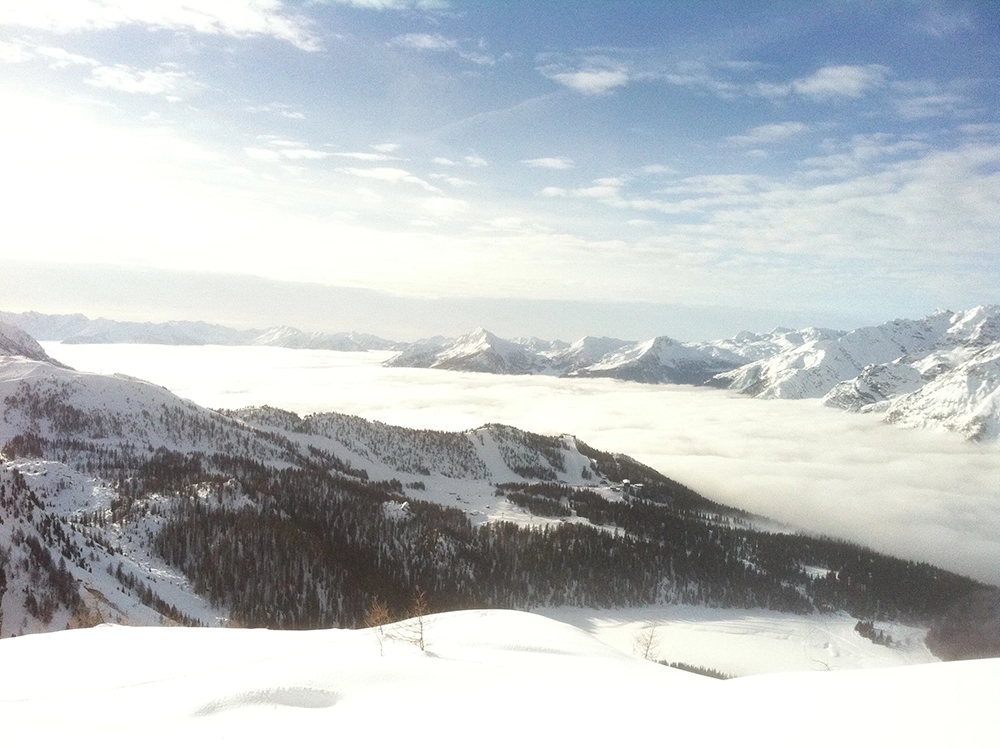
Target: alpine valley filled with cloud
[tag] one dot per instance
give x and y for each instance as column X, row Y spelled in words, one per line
column 673, row 387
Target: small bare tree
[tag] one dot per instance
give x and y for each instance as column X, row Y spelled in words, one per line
column 419, row 609
column 377, row 618
column 646, row 643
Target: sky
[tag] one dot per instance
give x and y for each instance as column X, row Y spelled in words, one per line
column 415, row 167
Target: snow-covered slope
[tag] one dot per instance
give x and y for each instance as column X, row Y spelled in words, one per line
column 663, row 361
column 492, row 677
column 965, row 399
column 931, row 372
column 14, row 341
column 480, row 351
column 289, row 337
column 586, row 352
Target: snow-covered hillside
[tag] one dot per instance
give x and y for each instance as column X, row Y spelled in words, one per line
column 14, row 341
column 492, row 677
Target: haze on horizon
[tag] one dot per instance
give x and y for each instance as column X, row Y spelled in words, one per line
column 417, row 167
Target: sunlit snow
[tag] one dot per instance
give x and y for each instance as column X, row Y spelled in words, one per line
column 483, row 677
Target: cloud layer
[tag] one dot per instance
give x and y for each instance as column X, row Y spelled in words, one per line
column 918, row 495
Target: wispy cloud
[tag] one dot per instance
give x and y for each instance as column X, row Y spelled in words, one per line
column 130, row 80
column 476, row 161
column 765, row 134
column 282, row 110
column 589, row 81
column 390, row 174
column 236, row 18
column 306, row 154
column 164, row 79
column 364, row 156
column 425, row 42
column 453, row 181
column 393, row 4
column 263, row 154
column 475, row 52
column 827, row 83
column 841, row 81
column 558, row 163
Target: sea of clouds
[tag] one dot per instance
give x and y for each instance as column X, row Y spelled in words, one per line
column 922, row 495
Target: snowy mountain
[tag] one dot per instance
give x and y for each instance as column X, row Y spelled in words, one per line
column 77, row 329
column 13, row 341
column 663, row 361
column 965, row 399
column 479, row 351
column 120, row 502
column 885, row 368
column 934, row 372
column 347, row 342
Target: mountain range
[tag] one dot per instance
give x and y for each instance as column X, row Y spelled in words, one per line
column 121, row 502
column 77, row 329
column 939, row 371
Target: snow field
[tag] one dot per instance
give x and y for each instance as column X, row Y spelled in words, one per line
column 485, row 677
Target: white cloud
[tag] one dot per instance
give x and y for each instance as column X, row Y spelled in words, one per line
column 444, row 206
column 263, row 154
column 453, row 181
column 589, row 81
column 276, row 108
column 549, row 163
column 62, row 58
column 392, row 175
column 395, row 4
column 424, row 42
column 386, row 147
column 768, row 133
column 658, row 168
column 830, row 82
column 476, row 161
column 131, row 80
column 236, row 18
column 602, row 189
column 444, row 161
column 836, row 81
column 15, row 51
column 554, row 192
column 362, row 156
column 307, row 154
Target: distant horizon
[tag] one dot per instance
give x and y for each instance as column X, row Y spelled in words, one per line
column 234, row 301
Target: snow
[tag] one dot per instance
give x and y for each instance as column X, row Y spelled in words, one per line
column 746, row 642
column 489, row 677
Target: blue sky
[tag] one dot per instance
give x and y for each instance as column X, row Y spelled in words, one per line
column 627, row 168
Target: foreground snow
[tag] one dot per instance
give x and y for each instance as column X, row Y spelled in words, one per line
column 492, row 677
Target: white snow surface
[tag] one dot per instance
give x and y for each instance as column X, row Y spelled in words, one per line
column 495, row 677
